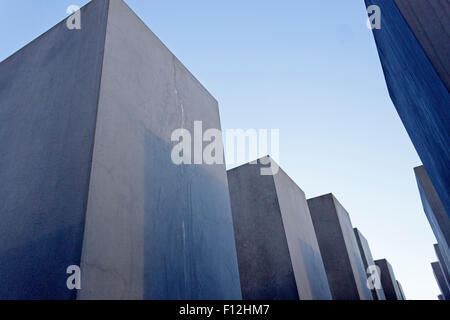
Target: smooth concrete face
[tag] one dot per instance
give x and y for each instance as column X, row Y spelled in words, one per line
column 445, row 268
column 48, row 106
column 388, row 280
column 278, row 253
column 366, row 255
column 400, row 288
column 428, row 19
column 435, row 212
column 340, row 253
column 440, row 279
column 154, row 230
column 419, row 94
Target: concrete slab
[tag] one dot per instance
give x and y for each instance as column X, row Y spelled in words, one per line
column 436, row 214
column 366, row 255
column 86, row 118
column 278, row 253
column 445, row 268
column 340, row 253
column 411, row 49
column 400, row 288
column 154, row 229
column 428, row 20
column 48, row 104
column 440, row 279
column 388, row 280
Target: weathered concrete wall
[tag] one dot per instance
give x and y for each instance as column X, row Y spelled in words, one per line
column 435, row 212
column 440, row 279
column 416, row 89
column 366, row 255
column 154, row 230
column 388, row 280
column 340, row 252
column 278, row 253
column 48, row 106
column 428, row 20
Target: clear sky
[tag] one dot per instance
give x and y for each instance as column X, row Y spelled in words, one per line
column 310, row 69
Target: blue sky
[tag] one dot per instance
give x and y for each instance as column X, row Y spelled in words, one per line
column 310, row 69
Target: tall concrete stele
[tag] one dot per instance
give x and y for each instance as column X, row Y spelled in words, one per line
column 436, row 215
column 391, row 287
column 344, row 266
column 414, row 45
column 279, row 257
column 86, row 118
column 366, row 255
column 441, row 280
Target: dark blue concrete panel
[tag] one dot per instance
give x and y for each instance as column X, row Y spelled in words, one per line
column 420, row 96
column 48, row 105
column 428, row 19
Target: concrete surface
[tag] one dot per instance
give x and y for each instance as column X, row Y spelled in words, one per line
column 440, row 257
column 415, row 87
column 388, row 280
column 48, row 104
column 366, row 256
column 86, row 118
column 340, row 253
column 435, row 212
column 428, row 20
column 154, row 230
column 440, row 279
column 400, row 288
column 278, row 253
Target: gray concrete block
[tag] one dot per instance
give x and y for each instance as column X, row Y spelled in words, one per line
column 388, row 280
column 440, row 279
column 48, row 104
column 436, row 214
column 400, row 288
column 86, row 118
column 366, row 255
column 278, row 253
column 340, row 253
column 440, row 257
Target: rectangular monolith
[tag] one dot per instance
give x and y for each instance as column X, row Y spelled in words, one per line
column 435, row 213
column 369, row 264
column 440, row 279
column 340, row 253
column 277, row 249
column 445, row 268
column 388, row 280
column 87, row 179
